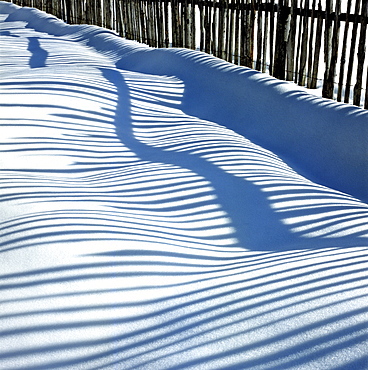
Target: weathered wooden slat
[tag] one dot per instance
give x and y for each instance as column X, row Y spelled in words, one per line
column 327, row 92
column 214, row 29
column 130, row 12
column 99, row 13
column 107, row 14
column 89, row 12
column 361, row 54
column 310, row 45
column 221, row 29
column 193, row 25
column 332, row 49
column 152, row 23
column 281, row 38
column 304, row 46
column 231, row 31
column 265, row 38
column 181, row 24
column 343, row 53
column 202, row 31
column 299, row 42
column 317, row 47
column 207, row 26
column 174, row 23
column 119, row 18
column 242, row 33
column 272, row 37
column 290, row 46
column 249, row 39
column 259, row 37
column 166, row 20
column 79, row 11
column 352, row 51
column 185, row 20
column 140, row 21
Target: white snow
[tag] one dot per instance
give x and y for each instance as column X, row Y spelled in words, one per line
column 164, row 209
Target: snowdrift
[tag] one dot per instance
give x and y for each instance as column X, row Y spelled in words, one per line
column 164, row 209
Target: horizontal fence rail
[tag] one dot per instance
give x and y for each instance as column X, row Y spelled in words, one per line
column 314, row 43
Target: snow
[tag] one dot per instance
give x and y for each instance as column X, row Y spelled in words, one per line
column 164, row 209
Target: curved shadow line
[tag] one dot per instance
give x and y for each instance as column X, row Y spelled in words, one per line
column 233, row 193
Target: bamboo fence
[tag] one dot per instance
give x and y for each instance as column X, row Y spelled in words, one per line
column 311, row 42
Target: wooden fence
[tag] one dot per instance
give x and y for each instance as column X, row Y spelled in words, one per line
column 311, row 42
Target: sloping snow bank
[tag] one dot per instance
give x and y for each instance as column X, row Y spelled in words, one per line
column 135, row 235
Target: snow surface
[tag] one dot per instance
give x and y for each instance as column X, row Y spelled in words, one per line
column 164, row 209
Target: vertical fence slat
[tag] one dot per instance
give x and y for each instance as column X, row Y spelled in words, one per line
column 299, row 44
column 310, row 45
column 290, row 47
column 236, row 30
column 328, row 85
column 193, row 25
column 259, row 36
column 343, row 52
column 328, row 49
column 231, row 29
column 242, row 33
column 317, row 47
column 352, row 52
column 361, row 54
column 166, row 20
column 281, row 37
column 265, row 38
column 304, row 46
column 272, row 37
column 98, row 13
column 220, row 35
column 249, row 43
column 207, row 26
column 202, row 30
column 119, row 17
